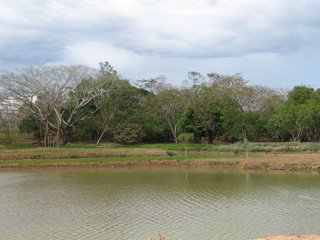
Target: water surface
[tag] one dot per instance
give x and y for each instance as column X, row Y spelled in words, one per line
column 136, row 204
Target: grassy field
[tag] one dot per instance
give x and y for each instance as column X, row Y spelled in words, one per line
column 261, row 156
column 240, row 147
column 236, row 147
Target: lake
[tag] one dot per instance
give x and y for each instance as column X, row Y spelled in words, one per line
column 137, row 204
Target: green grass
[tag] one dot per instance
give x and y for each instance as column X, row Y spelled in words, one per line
column 235, row 148
column 191, row 147
column 170, row 147
column 223, row 163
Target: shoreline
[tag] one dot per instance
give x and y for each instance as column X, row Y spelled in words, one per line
column 296, row 237
column 292, row 162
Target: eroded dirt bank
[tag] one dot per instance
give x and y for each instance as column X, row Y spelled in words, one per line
column 302, row 237
column 266, row 161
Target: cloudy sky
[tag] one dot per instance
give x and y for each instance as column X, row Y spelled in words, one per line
column 271, row 42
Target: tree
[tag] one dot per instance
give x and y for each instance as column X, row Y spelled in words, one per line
column 300, row 94
column 123, row 104
column 154, row 85
column 299, row 117
column 310, row 119
column 55, row 95
column 171, row 103
column 287, row 123
column 128, row 133
column 8, row 121
column 207, row 111
column 188, row 123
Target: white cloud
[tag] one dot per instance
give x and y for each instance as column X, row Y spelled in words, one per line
column 91, row 53
column 192, row 28
column 157, row 35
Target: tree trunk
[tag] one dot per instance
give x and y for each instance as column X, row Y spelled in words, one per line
column 102, row 134
column 46, row 133
column 175, row 134
column 58, row 135
column 66, row 133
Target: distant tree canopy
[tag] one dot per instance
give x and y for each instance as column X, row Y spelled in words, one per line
column 61, row 104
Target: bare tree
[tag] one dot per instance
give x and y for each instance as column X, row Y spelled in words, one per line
column 56, row 94
column 171, row 103
column 154, row 85
column 8, row 121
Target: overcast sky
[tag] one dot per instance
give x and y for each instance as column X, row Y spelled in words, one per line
column 271, row 42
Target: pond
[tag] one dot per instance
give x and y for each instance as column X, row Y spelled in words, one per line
column 137, row 204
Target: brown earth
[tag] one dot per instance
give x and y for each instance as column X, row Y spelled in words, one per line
column 302, row 237
column 263, row 161
column 41, row 153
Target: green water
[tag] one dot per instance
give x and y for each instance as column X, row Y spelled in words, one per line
column 136, row 204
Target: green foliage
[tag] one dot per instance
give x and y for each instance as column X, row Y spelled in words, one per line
column 286, row 122
column 171, row 153
column 32, row 125
column 300, row 94
column 185, row 138
column 103, row 106
column 87, row 130
column 188, row 123
column 298, row 119
column 128, row 133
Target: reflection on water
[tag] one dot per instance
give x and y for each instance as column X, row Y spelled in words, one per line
column 135, row 204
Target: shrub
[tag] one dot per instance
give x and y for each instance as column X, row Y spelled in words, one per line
column 128, row 133
column 185, row 137
column 171, row 153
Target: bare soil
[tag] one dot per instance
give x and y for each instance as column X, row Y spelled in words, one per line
column 264, row 161
column 302, row 237
column 43, row 153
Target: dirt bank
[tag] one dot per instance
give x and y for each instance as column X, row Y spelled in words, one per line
column 302, row 237
column 265, row 161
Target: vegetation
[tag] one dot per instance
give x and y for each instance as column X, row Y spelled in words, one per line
column 185, row 138
column 128, row 133
column 148, row 155
column 60, row 105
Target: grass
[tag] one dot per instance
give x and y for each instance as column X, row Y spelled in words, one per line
column 223, row 163
column 80, row 160
column 235, row 148
column 292, row 156
column 25, row 141
column 20, row 151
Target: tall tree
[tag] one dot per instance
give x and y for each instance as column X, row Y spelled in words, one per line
column 9, row 121
column 55, row 94
column 171, row 103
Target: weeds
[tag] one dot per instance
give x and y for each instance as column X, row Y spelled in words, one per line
column 171, row 153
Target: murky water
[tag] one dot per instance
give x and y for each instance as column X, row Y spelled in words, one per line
column 136, row 204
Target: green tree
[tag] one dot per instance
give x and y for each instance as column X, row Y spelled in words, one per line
column 286, row 122
column 128, row 133
column 171, row 103
column 300, row 94
column 310, row 119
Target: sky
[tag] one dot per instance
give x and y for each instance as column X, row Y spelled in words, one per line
column 273, row 43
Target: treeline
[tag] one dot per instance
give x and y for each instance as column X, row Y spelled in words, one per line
column 61, row 104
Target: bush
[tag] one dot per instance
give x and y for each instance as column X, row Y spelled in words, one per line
column 171, row 153
column 185, row 138
column 128, row 133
